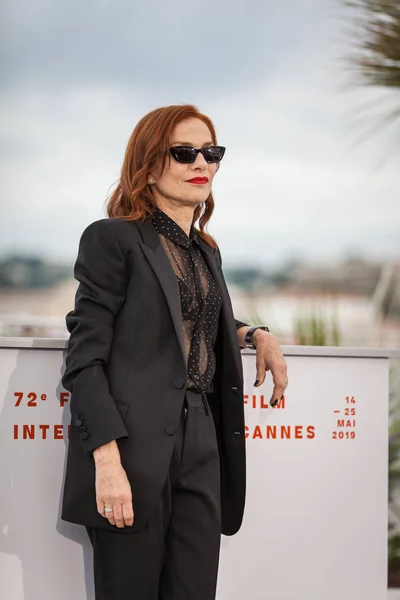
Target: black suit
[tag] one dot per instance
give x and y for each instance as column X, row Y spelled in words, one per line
column 126, row 370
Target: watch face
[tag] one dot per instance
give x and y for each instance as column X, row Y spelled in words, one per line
column 248, row 337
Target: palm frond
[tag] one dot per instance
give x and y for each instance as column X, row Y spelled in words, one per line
column 377, row 41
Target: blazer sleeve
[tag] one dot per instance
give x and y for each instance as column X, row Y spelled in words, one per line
column 238, row 323
column 100, row 268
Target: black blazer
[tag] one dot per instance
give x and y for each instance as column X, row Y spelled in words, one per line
column 126, row 370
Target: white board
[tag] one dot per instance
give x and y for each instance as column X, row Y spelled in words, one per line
column 315, row 526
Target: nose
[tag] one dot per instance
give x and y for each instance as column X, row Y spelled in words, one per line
column 200, row 161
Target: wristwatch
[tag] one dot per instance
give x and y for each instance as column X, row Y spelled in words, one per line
column 248, row 340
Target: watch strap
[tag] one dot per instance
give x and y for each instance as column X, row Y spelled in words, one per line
column 249, row 335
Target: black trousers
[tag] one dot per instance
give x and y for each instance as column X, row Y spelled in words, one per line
column 176, row 556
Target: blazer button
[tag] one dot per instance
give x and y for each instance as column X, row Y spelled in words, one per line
column 78, row 422
column 179, row 383
column 84, row 435
column 170, row 430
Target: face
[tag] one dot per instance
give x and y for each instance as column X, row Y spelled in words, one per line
column 173, row 185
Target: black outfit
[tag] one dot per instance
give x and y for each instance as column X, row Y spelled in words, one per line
column 153, row 362
column 176, row 556
column 201, row 299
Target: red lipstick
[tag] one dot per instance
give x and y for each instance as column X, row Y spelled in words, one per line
column 202, row 180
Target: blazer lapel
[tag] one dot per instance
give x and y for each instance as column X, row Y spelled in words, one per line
column 155, row 254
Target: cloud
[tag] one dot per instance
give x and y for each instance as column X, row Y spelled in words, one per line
column 172, row 45
column 81, row 76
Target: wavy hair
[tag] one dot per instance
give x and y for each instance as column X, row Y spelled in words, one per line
column 133, row 198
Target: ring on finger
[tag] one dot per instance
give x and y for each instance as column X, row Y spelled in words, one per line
column 108, row 509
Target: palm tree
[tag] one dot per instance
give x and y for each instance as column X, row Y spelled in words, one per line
column 376, row 56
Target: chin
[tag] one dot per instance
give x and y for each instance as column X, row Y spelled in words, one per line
column 200, row 196
column 198, row 201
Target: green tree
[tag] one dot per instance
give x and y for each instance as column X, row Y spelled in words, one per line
column 376, row 55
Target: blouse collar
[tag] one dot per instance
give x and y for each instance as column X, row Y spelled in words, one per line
column 168, row 227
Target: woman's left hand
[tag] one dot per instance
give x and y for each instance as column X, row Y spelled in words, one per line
column 269, row 357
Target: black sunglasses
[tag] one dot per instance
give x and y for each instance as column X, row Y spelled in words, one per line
column 188, row 154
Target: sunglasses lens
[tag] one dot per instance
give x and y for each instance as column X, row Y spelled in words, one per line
column 213, row 154
column 183, row 154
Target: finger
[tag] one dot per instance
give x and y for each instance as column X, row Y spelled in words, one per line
column 260, row 372
column 275, row 399
column 279, row 376
column 127, row 512
column 119, row 519
column 100, row 508
column 279, row 389
column 110, row 515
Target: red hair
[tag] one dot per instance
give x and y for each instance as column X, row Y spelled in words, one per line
column 133, row 198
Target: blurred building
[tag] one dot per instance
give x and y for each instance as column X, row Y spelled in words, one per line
column 361, row 300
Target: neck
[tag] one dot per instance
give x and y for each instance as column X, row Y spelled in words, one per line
column 181, row 214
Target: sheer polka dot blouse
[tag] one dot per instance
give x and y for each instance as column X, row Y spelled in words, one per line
column 201, row 299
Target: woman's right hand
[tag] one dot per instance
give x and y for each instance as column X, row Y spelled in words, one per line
column 113, row 489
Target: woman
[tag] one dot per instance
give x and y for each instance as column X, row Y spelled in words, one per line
column 156, row 456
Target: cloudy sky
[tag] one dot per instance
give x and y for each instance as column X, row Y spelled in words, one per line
column 296, row 181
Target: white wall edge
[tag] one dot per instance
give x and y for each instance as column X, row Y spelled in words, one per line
column 343, row 351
